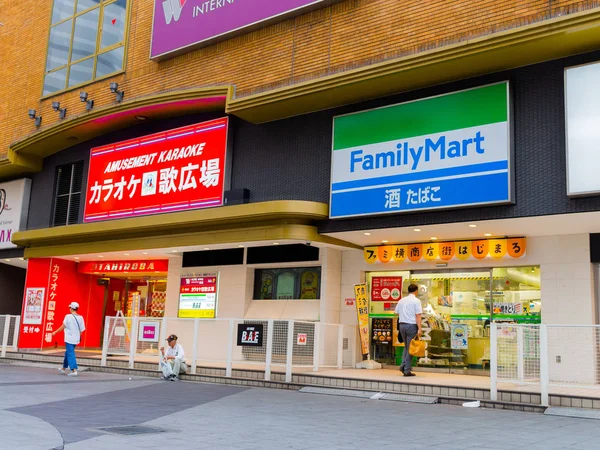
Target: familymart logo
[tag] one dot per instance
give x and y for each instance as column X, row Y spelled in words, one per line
column 172, row 9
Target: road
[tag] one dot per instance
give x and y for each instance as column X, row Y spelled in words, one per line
column 41, row 409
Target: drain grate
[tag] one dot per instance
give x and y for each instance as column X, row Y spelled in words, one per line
column 133, row 430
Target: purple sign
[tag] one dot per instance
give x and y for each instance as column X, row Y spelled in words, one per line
column 184, row 24
column 148, row 332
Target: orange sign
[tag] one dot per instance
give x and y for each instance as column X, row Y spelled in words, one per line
column 446, row 251
column 362, row 309
column 106, row 267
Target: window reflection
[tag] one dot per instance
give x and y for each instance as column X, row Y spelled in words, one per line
column 63, row 9
column 113, row 26
column 81, row 72
column 55, row 81
column 82, row 5
column 84, row 36
column 58, row 46
column 110, row 62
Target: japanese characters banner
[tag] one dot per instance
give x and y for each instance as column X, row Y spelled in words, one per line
column 362, row 309
column 198, row 296
column 103, row 267
column 446, row 251
column 175, row 170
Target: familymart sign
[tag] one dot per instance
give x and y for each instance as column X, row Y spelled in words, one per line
column 441, row 152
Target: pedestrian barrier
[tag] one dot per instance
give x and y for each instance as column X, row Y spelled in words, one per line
column 9, row 333
column 285, row 344
column 561, row 356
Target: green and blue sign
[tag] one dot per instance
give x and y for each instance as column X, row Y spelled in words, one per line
column 441, row 152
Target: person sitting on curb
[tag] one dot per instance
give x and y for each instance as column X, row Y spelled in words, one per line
column 173, row 360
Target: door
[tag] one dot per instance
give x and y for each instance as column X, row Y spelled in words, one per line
column 456, row 314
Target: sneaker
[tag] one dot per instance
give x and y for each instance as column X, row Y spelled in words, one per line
column 62, row 370
column 174, row 378
column 72, row 374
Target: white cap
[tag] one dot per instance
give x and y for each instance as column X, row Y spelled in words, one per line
column 74, row 305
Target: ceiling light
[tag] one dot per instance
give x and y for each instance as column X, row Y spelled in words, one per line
column 22, row 259
column 100, row 256
column 76, row 257
column 126, row 254
column 206, row 248
column 141, row 117
column 384, row 241
column 275, row 243
column 417, row 229
column 144, row 253
column 7, row 260
column 472, row 225
column 433, row 238
column 240, row 246
column 488, row 234
column 367, row 234
column 173, row 251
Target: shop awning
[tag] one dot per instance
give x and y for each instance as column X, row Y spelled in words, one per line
column 276, row 220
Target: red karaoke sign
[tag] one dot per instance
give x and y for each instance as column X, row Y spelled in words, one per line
column 175, row 170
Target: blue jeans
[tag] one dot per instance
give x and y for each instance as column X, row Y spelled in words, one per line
column 70, row 360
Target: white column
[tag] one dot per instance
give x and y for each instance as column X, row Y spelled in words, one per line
column 340, row 347
column 494, row 361
column 331, row 285
column 520, row 352
column 5, row 335
column 195, row 346
column 317, row 347
column 544, row 367
column 230, row 344
column 133, row 341
column 105, row 341
column 269, row 357
column 290, row 352
column 16, row 334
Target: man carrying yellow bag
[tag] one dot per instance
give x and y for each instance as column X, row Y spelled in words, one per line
column 409, row 319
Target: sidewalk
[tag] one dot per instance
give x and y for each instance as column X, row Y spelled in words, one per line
column 42, row 410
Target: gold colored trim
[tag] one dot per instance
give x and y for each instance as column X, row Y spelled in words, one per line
column 53, row 138
column 291, row 220
column 547, row 40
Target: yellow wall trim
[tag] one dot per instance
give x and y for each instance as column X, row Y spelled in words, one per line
column 238, row 223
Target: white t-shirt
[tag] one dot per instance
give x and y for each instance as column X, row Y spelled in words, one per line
column 408, row 308
column 176, row 351
column 73, row 327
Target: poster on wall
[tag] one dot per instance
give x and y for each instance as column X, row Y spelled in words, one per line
column 309, row 288
column 198, row 296
column 382, row 331
column 176, row 170
column 14, row 209
column 250, row 335
column 362, row 310
column 386, row 289
column 34, row 306
column 459, row 336
column 148, row 332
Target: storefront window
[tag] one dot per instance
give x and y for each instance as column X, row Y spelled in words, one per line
column 517, row 294
column 303, row 283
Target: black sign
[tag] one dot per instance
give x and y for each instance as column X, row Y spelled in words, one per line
column 250, row 335
column 382, row 331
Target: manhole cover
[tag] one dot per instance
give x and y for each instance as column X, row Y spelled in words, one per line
column 132, row 430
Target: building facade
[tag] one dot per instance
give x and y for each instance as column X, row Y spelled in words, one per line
column 264, row 168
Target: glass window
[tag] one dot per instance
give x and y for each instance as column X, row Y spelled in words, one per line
column 58, row 46
column 517, row 294
column 67, row 200
column 113, row 26
column 110, row 62
column 82, row 5
column 81, row 72
column 84, row 35
column 63, row 9
column 55, row 81
column 302, row 283
column 76, row 35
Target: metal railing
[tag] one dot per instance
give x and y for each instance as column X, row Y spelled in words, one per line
column 287, row 344
column 9, row 333
column 563, row 356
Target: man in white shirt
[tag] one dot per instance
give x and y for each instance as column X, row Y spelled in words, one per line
column 173, row 360
column 73, row 326
column 409, row 312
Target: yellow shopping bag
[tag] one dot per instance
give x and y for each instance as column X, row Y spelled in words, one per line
column 417, row 347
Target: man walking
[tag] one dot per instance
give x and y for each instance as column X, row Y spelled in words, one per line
column 409, row 319
column 173, row 362
column 73, row 326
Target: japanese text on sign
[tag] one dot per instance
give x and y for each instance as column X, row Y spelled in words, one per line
column 198, row 296
column 170, row 171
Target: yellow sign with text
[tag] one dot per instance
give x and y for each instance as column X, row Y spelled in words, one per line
column 362, row 309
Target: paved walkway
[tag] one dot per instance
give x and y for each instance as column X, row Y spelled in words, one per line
column 40, row 409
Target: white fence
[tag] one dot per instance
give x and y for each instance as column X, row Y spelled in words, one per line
column 560, row 356
column 286, row 343
column 9, row 333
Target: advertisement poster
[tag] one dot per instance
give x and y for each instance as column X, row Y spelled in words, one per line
column 362, row 309
column 301, row 339
column 34, row 306
column 175, row 170
column 459, row 336
column 198, row 296
column 382, row 331
column 14, row 209
column 508, row 308
column 250, row 335
column 309, row 289
column 386, row 289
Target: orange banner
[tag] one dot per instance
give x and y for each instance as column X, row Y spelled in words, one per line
column 514, row 248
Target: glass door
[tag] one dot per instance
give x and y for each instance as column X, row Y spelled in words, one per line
column 457, row 313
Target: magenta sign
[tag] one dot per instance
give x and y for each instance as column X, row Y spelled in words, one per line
column 181, row 25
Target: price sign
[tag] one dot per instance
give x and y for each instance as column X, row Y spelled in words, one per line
column 198, row 296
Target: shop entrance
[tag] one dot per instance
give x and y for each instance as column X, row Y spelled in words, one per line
column 458, row 307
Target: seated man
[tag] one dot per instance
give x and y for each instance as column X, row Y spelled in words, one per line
column 173, row 360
